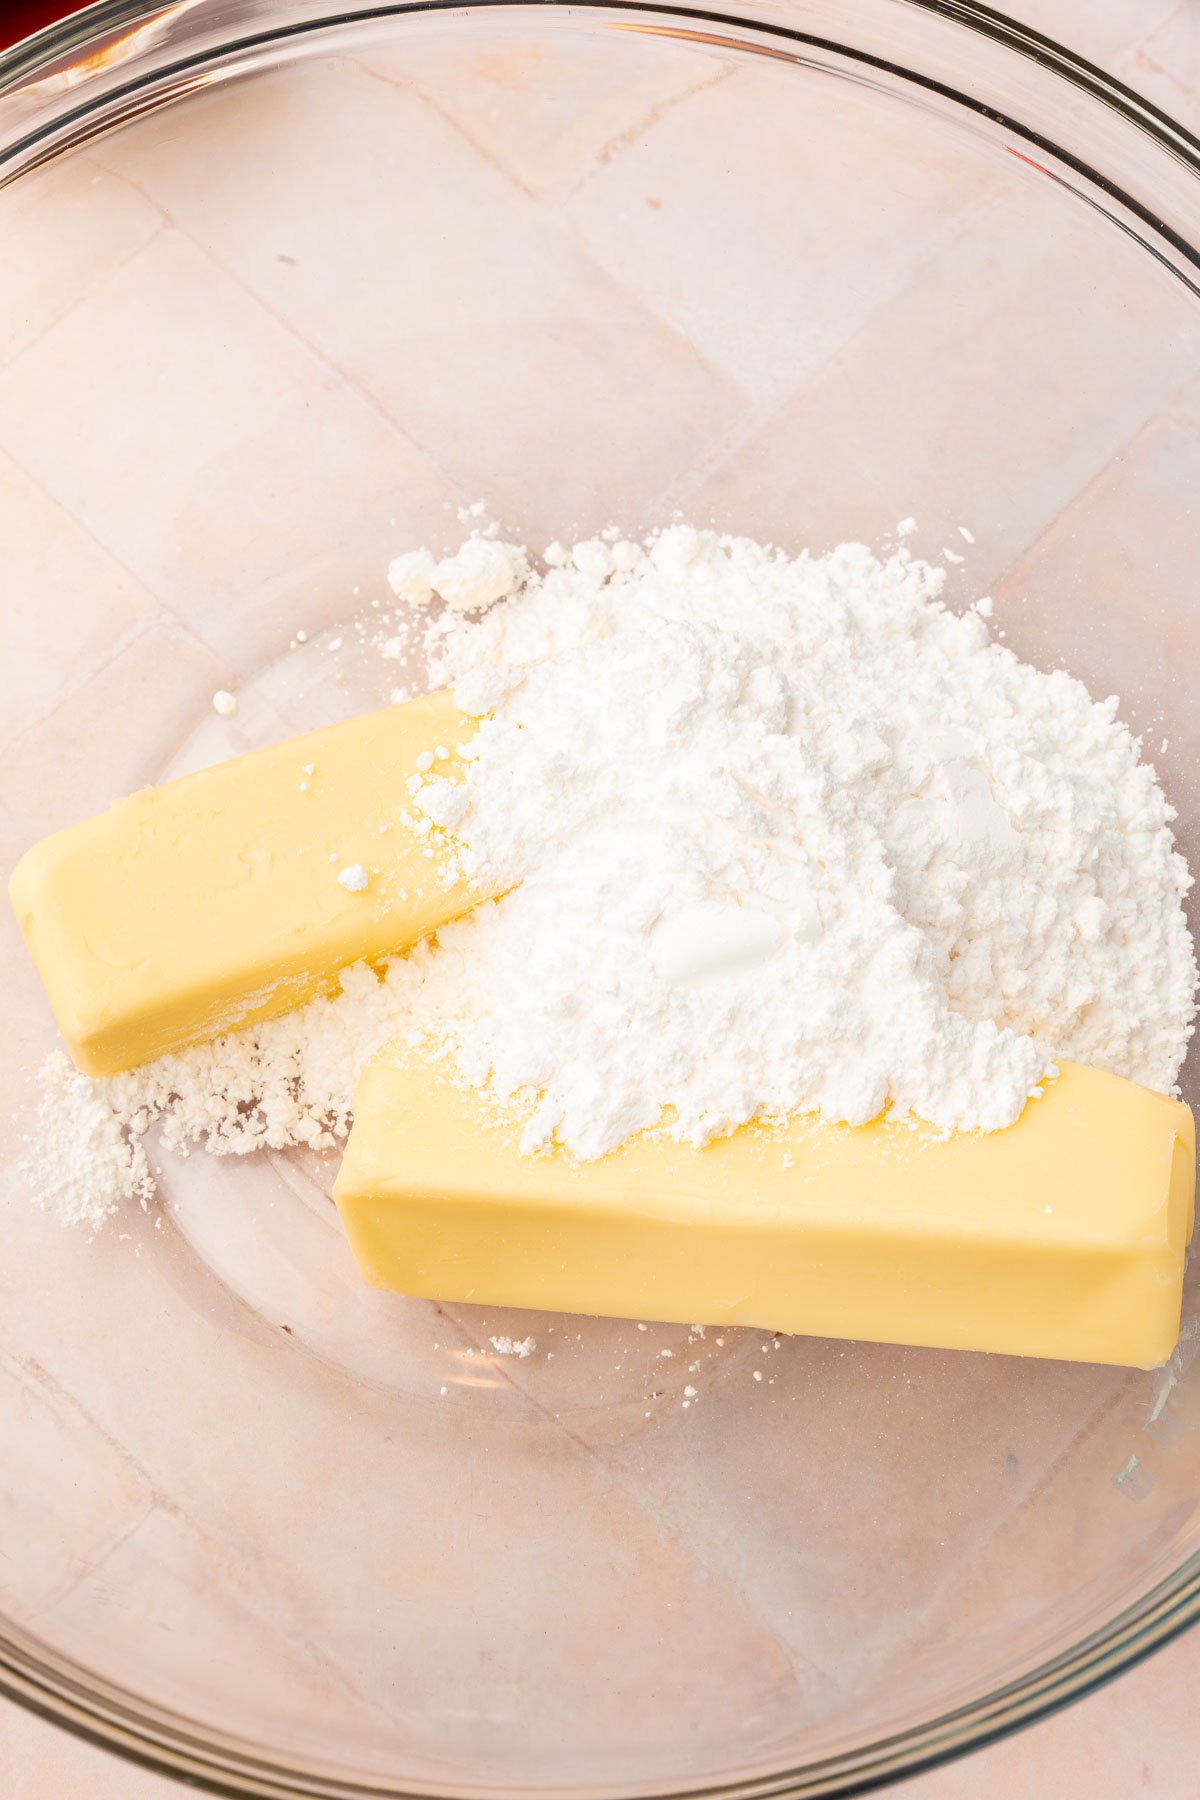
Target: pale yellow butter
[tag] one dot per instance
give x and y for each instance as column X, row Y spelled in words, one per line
column 1063, row 1236
column 214, row 901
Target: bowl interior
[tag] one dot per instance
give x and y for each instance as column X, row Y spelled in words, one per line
column 592, row 268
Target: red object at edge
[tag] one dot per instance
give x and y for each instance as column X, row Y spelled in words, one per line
column 18, row 18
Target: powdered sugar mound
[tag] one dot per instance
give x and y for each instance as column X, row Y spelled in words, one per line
column 706, row 920
column 788, row 833
column 479, row 691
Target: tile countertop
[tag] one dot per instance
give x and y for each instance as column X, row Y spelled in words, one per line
column 1134, row 1737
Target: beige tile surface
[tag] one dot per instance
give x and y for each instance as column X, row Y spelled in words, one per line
column 1129, row 546
column 45, row 1440
column 52, row 757
column 570, row 114
column 244, row 403
column 723, row 1467
column 1104, row 32
column 1165, row 63
column 447, row 326
column 885, row 227
column 55, row 563
column 919, row 356
column 74, row 219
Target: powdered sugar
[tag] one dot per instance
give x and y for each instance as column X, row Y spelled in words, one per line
column 88, row 1149
column 286, row 1082
column 776, row 832
column 476, row 576
column 787, row 833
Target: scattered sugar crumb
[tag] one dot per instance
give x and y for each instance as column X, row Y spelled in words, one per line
column 354, row 878
column 479, row 573
column 443, row 803
column 410, row 578
column 519, row 1347
column 225, row 703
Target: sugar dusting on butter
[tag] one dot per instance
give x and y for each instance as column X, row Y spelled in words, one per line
column 776, row 833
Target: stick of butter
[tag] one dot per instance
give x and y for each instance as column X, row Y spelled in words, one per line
column 1062, row 1236
column 232, row 894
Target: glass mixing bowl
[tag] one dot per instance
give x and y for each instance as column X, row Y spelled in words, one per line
column 281, row 286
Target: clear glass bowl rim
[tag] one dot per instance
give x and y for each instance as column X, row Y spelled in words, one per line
column 118, row 1723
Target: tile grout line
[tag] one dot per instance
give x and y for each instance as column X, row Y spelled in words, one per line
column 268, row 307
column 614, row 147
column 557, row 208
column 52, row 324
column 416, row 92
column 132, row 634
column 1144, row 427
column 166, row 611
column 761, row 418
column 673, row 1530
column 168, row 224
column 234, row 1568
column 110, row 274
